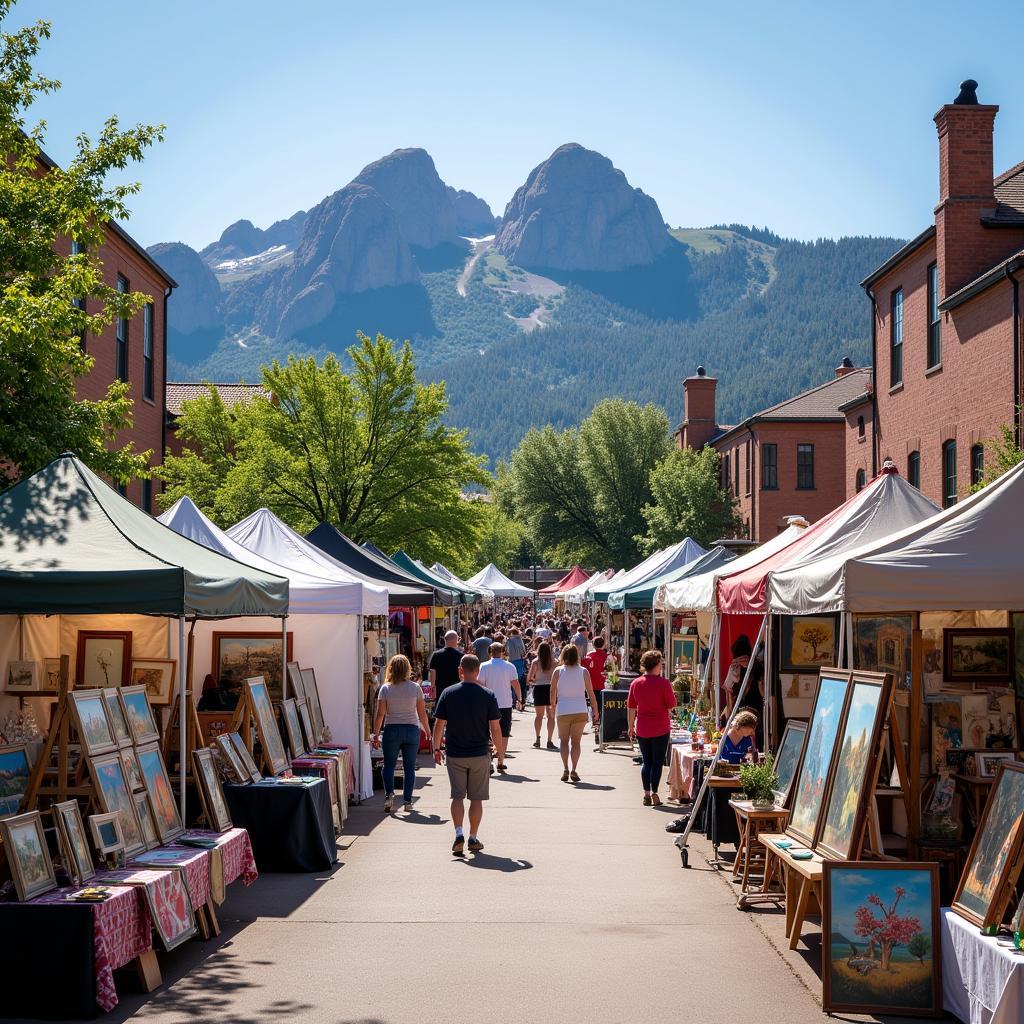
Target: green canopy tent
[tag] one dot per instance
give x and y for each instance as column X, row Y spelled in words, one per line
column 452, row 595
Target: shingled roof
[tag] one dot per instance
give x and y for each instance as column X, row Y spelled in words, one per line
column 231, row 394
column 1009, row 190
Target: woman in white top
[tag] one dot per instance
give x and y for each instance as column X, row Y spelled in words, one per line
column 403, row 713
column 570, row 688
column 540, row 678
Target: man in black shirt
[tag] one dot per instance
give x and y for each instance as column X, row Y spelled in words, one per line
column 443, row 669
column 467, row 716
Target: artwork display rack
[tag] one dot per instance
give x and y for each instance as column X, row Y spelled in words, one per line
column 242, row 723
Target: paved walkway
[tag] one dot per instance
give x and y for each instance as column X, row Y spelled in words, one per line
column 577, row 910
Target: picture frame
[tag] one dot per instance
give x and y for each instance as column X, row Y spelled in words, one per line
column 947, row 731
column 51, row 674
column 166, row 818
column 787, row 758
column 92, row 722
column 293, row 727
column 810, row 784
column 295, row 679
column 170, row 907
column 990, row 720
column 992, row 863
column 241, row 655
column 245, row 757
column 15, row 775
column 211, row 793
column 132, row 772
column 115, row 715
column 102, row 658
column 881, row 938
column 856, row 762
column 308, row 729
column 1017, row 622
column 881, row 643
column 144, row 812
column 235, row 769
column 266, row 726
column 684, row 654
column 313, row 700
column 22, row 677
column 106, row 833
column 978, row 655
column 808, row 642
column 74, row 843
column 27, row 855
column 157, row 675
column 114, row 797
column 988, row 761
column 139, row 715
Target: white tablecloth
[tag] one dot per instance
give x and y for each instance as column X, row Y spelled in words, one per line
column 982, row 981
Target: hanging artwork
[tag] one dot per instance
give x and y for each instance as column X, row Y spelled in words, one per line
column 157, row 676
column 947, row 731
column 990, row 721
column 880, row 938
column 978, row 655
column 882, row 644
column 808, row 642
column 103, row 659
column 241, row 656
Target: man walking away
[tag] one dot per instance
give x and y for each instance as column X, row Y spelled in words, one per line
column 443, row 669
column 581, row 640
column 501, row 678
column 467, row 717
column 515, row 647
column 482, row 643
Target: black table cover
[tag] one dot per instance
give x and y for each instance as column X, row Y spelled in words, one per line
column 291, row 827
column 715, row 819
column 48, row 967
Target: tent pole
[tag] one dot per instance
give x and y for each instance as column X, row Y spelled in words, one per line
column 849, row 638
column 183, row 716
column 284, row 657
column 768, row 717
column 841, row 653
column 625, row 636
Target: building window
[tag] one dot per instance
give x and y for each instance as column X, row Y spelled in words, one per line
column 736, row 472
column 146, row 504
column 934, row 325
column 914, row 469
column 860, row 427
column 726, row 471
column 121, row 341
column 977, row 464
column 122, row 488
column 896, row 338
column 769, row 467
column 147, row 351
column 747, row 477
column 949, row 474
column 861, row 480
column 76, row 250
column 805, row 467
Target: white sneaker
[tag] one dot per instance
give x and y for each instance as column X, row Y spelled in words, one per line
column 389, row 802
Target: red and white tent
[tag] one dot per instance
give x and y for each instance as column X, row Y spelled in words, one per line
column 573, row 578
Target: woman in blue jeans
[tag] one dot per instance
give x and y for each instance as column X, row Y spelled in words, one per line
column 402, row 712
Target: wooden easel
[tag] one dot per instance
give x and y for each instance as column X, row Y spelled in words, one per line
column 242, row 723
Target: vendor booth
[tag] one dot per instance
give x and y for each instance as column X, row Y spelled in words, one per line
column 491, row 578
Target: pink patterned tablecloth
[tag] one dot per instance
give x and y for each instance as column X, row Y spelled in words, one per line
column 321, row 767
column 122, row 930
column 197, row 867
column 350, row 771
column 236, row 853
column 680, row 771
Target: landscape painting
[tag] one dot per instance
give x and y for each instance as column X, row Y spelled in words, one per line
column 22, row 676
column 266, row 721
column 161, row 796
column 240, row 656
column 115, row 798
column 27, row 855
column 880, row 938
column 95, row 732
column 808, row 642
column 979, row 655
column 14, row 778
column 787, row 758
column 157, row 675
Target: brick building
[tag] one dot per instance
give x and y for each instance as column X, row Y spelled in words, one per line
column 179, row 391
column 946, row 322
column 786, row 460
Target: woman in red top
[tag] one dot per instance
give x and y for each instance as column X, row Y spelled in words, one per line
column 649, row 702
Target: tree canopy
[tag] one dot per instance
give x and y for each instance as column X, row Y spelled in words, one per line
column 43, row 317
column 365, row 450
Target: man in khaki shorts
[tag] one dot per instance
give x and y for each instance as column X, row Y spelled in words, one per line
column 467, row 716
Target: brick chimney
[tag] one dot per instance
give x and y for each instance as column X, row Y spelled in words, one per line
column 845, row 367
column 699, row 423
column 965, row 247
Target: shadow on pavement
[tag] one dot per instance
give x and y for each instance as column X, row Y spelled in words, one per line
column 491, row 863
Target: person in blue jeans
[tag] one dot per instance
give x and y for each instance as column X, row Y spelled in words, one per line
column 402, row 712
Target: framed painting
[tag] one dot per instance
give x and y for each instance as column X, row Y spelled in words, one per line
column 15, row 771
column 811, row 780
column 234, row 768
column 51, row 674
column 988, row 761
column 132, row 772
column 978, row 655
column 139, row 715
column 114, row 797
column 787, row 757
column 102, row 659
column 27, row 855
column 947, row 731
column 106, row 833
column 990, row 872
column 115, row 713
column 293, row 727
column 211, row 793
column 882, row 644
column 145, row 814
column 266, row 726
column 169, row 905
column 990, row 720
column 157, row 676
column 808, row 642
column 241, row 656
column 95, row 733
column 308, row 728
column 1017, row 925
column 857, row 759
column 245, row 757
column 73, row 841
column 880, row 938
column 22, row 677
column 161, row 796
column 295, row 684
column 684, row 654
column 313, row 698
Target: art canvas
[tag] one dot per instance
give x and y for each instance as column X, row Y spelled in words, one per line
column 236, row 770
column 51, row 674
column 295, row 684
column 881, row 938
column 145, row 813
column 241, row 656
column 157, row 676
column 988, row 762
column 882, row 644
column 139, row 715
column 982, row 894
column 266, row 724
column 15, row 771
column 815, row 763
column 115, row 714
column 307, row 724
column 808, row 642
column 106, row 833
column 166, row 893
column 95, row 732
column 787, row 758
column 211, row 793
column 22, row 677
column 684, row 654
column 856, row 766
column 71, row 831
column 245, row 757
column 979, row 655
column 27, row 855
column 161, row 796
column 990, row 721
column 132, row 772
column 293, row 727
column 313, row 699
column 115, row 798
column 947, row 731
column 103, row 659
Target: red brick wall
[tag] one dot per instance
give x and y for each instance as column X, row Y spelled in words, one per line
column 858, row 447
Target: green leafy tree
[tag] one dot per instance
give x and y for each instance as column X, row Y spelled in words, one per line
column 501, row 540
column 365, row 450
column 1002, row 454
column 41, row 208
column 920, row 946
column 689, row 501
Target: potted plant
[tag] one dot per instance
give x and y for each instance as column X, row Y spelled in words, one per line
column 612, row 677
column 759, row 782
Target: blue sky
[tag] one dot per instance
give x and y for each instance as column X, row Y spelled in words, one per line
column 813, row 118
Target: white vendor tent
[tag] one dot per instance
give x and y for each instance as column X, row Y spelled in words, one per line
column 491, row 578
column 577, row 595
column 439, row 569
column 658, row 564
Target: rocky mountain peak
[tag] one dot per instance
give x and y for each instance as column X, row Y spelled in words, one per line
column 194, row 310
column 577, row 212
column 473, row 217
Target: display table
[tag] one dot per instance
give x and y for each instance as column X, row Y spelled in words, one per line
column 328, row 767
column 982, row 981
column 290, row 825
column 59, row 957
column 752, row 822
column 682, row 776
column 802, row 880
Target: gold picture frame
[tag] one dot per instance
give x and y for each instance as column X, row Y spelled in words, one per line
column 27, row 855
